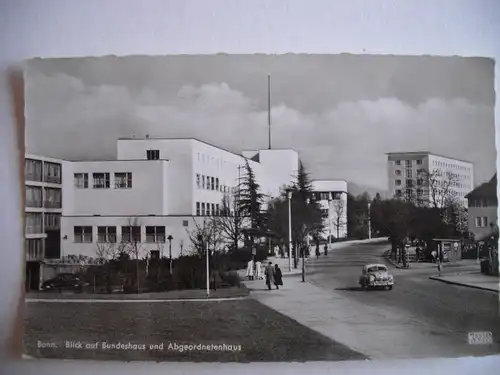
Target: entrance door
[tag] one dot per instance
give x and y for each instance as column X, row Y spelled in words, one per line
column 32, row 281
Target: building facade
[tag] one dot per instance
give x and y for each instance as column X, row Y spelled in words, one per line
column 428, row 178
column 155, row 190
column 43, row 209
column 483, row 209
column 332, row 198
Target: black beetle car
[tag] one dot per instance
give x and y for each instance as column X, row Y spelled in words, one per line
column 64, row 281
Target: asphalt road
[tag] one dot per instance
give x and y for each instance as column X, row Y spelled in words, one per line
column 439, row 309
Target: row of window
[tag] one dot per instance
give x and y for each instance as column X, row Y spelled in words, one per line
column 212, row 183
column 52, row 172
column 37, row 197
column 443, row 164
column 481, row 221
column 122, row 180
column 217, row 162
column 483, row 203
column 108, row 234
column 325, row 195
column 208, row 209
column 37, row 222
column 408, row 163
column 33, row 249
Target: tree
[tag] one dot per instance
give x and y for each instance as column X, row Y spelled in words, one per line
column 230, row 222
column 131, row 245
column 307, row 218
column 393, row 218
column 250, row 202
column 108, row 251
column 439, row 185
column 339, row 220
column 357, row 215
column 205, row 235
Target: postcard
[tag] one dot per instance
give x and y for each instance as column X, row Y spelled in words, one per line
column 256, row 208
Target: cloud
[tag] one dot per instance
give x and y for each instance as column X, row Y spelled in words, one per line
column 68, row 119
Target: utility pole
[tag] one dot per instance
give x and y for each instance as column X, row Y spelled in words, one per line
column 369, row 222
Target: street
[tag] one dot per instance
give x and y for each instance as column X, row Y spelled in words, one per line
column 445, row 311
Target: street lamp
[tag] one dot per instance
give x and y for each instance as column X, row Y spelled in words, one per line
column 369, row 221
column 330, row 199
column 308, row 201
column 289, row 196
column 170, row 238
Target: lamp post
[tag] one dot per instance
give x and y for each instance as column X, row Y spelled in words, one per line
column 369, row 221
column 330, row 199
column 289, row 196
column 170, row 238
column 303, row 251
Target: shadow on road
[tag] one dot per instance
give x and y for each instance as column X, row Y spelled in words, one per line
column 359, row 289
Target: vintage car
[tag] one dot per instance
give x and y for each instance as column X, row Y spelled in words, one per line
column 376, row 276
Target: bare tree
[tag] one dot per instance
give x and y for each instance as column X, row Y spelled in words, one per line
column 339, row 221
column 132, row 245
column 230, row 222
column 205, row 235
column 107, row 251
column 439, row 186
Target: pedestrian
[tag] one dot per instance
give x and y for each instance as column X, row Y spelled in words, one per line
column 317, row 252
column 278, row 276
column 418, row 253
column 258, row 270
column 269, row 275
column 434, row 256
column 326, row 250
column 250, row 269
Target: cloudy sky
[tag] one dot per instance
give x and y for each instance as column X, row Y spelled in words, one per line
column 341, row 112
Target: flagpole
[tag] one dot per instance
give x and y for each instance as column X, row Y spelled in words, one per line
column 269, row 107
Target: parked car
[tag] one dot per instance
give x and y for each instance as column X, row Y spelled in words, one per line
column 376, row 276
column 64, row 281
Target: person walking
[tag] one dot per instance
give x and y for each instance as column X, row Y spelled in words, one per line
column 317, row 252
column 258, row 270
column 250, row 269
column 269, row 275
column 326, row 250
column 278, row 277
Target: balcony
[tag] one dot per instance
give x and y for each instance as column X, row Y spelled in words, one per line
column 51, row 204
column 34, row 249
column 52, row 179
column 34, row 203
column 34, row 177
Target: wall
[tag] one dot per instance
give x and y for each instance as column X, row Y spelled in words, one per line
column 145, row 197
column 174, row 227
column 214, row 162
column 464, row 170
column 281, row 168
column 489, row 212
column 338, row 207
column 179, row 153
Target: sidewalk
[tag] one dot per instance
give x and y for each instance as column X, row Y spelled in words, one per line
column 378, row 333
column 475, row 280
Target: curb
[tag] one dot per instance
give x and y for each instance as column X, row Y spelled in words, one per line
column 89, row 300
column 437, row 278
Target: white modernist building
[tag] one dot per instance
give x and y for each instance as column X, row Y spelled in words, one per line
column 43, row 209
column 332, row 198
column 405, row 177
column 155, row 189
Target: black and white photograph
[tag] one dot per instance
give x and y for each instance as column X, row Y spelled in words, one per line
column 260, row 208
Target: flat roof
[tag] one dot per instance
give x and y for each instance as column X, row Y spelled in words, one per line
column 184, row 139
column 116, row 160
column 427, row 153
